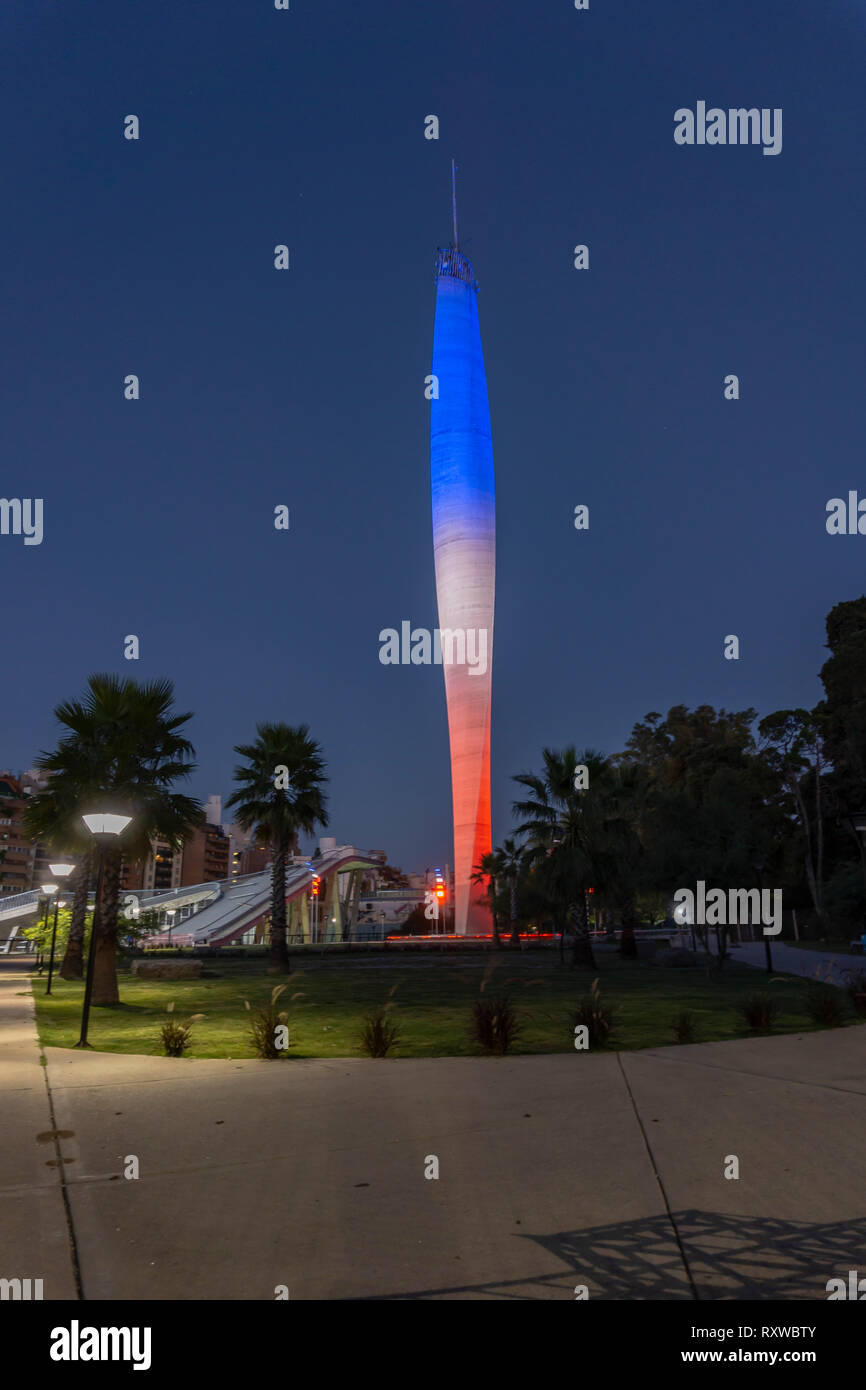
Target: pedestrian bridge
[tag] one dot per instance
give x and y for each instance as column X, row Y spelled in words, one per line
column 214, row 914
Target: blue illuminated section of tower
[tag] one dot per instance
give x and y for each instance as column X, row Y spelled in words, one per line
column 464, row 548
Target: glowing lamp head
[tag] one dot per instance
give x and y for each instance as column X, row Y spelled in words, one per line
column 48, row 888
column 61, row 870
column 106, row 823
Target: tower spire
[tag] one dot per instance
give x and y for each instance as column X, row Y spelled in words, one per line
column 454, row 200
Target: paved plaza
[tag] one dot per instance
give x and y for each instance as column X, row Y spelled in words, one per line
column 556, row 1171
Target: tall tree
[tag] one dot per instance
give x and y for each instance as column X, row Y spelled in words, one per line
column 512, row 861
column 486, row 874
column 552, row 819
column 124, row 751
column 793, row 747
column 280, row 794
column 843, row 715
column 53, row 816
column 708, row 807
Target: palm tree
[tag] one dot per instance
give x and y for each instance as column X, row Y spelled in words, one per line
column 512, row 861
column 124, row 751
column 276, row 811
column 554, row 821
column 54, row 817
column 597, row 837
column 485, row 873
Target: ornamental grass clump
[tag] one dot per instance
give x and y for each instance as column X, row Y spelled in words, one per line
column 495, row 1026
column 598, row 1018
column 856, row 988
column 684, row 1026
column 823, row 1005
column 760, row 1011
column 268, row 1032
column 379, row 1034
column 175, row 1036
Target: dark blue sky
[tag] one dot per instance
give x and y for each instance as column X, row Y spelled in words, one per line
column 306, row 388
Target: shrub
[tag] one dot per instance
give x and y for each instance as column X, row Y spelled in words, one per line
column 175, row 1036
column 378, row 1033
column 823, row 1005
column 596, row 1017
column 857, row 990
column 684, row 1026
column 264, row 1025
column 760, row 1011
column 495, row 1025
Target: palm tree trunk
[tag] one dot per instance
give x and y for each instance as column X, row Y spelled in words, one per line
column 491, row 888
column 582, row 945
column 278, row 953
column 515, row 933
column 627, row 943
column 105, row 961
column 73, row 967
column 496, row 938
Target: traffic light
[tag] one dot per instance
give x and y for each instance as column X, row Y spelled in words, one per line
column 316, row 881
column 439, row 888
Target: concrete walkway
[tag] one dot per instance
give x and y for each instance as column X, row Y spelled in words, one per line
column 34, row 1232
column 554, row 1171
column 816, row 965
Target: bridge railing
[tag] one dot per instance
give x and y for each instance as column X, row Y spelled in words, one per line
column 16, row 902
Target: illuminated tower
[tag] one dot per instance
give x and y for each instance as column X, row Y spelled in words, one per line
column 464, row 549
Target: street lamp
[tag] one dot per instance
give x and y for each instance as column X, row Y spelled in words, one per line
column 59, row 871
column 683, row 918
column 105, row 827
column 857, row 822
column 47, row 889
column 170, row 913
column 759, row 870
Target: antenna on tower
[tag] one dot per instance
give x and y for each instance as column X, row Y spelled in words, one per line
column 454, row 200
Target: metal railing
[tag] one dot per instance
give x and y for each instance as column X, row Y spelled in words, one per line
column 452, row 262
column 20, row 902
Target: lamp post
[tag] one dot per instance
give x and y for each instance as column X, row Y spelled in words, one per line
column 683, row 918
column 170, row 914
column 857, row 822
column 48, row 889
column 59, row 871
column 759, row 870
column 105, row 827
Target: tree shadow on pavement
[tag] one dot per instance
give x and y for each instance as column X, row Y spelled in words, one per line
column 726, row 1257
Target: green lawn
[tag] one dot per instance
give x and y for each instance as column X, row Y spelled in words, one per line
column 432, row 1002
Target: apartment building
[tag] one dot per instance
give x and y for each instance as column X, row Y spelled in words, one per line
column 18, row 851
